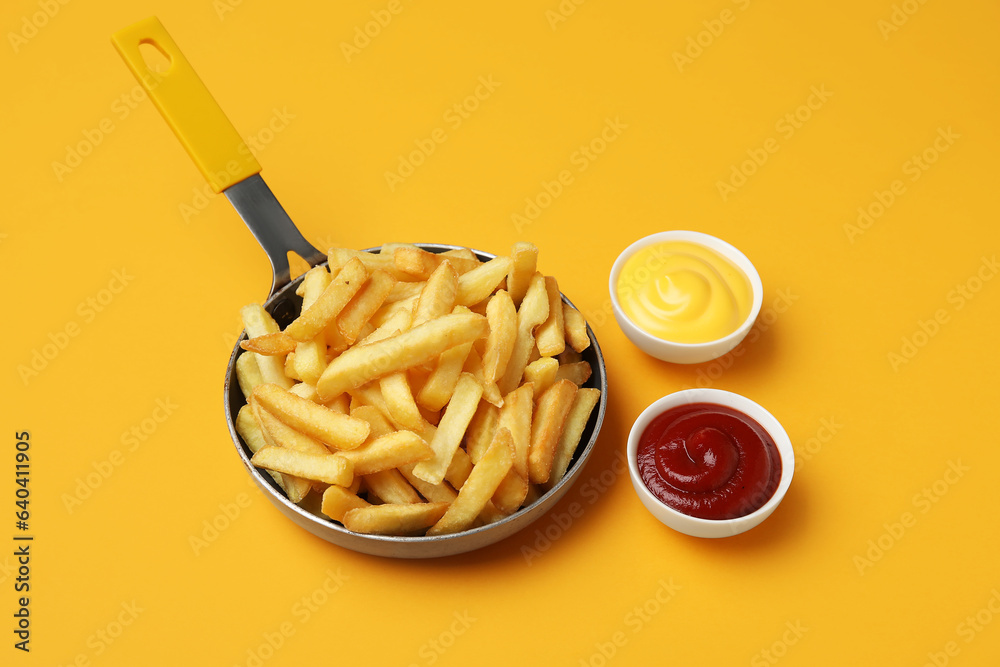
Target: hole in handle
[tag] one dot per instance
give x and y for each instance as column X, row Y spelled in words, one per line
column 154, row 56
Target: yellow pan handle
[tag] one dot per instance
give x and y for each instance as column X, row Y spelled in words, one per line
column 187, row 106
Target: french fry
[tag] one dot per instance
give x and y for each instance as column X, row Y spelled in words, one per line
column 248, row 374
column 337, row 501
column 326, row 425
column 388, row 452
column 459, row 469
column 304, row 390
column 420, row 344
column 541, row 373
column 546, row 428
column 399, row 400
column 249, row 429
column 551, row 337
column 578, row 373
column 510, row 493
column 533, row 311
column 395, row 324
column 479, row 283
column 524, row 258
column 328, row 305
column 434, row 493
column 310, row 356
column 502, row 317
column 270, row 345
column 449, row 433
column 479, row 488
column 479, row 434
column 516, row 417
column 257, row 322
column 340, row 257
column 369, row 395
column 392, row 487
column 377, row 422
column 280, row 434
column 341, row 404
column 420, row 263
column 463, row 253
column 403, row 290
column 369, row 299
column 440, row 384
column 576, row 328
column 394, row 519
column 576, row 421
column 329, row 468
column 438, row 296
column 569, row 356
column 295, row 488
column 290, row 371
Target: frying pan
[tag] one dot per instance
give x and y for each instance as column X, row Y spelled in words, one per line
column 230, row 168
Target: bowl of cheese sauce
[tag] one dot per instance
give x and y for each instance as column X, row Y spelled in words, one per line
column 684, row 296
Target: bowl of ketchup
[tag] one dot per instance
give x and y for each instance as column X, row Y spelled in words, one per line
column 709, row 463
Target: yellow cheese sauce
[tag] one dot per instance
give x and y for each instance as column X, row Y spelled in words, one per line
column 684, row 292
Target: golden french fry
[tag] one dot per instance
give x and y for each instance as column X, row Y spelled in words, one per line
column 329, row 468
column 546, row 428
column 459, row 469
column 420, row 263
column 395, row 324
column 524, row 258
column 250, row 430
column 479, row 434
column 392, row 487
column 490, row 514
column 533, row 311
column 479, row 487
column 330, row 302
column 551, row 337
column 388, row 452
column 270, row 345
column 310, row 356
column 399, row 401
column 510, row 493
column 280, row 434
column 438, row 296
column 479, row 283
column 295, row 488
column 449, row 433
column 440, row 384
column 420, row 344
column 248, row 373
column 502, row 317
column 304, row 390
column 576, row 328
column 369, row 299
column 516, row 417
column 463, row 253
column 377, row 422
column 434, row 493
column 577, row 373
column 341, row 404
column 393, row 518
column 542, row 373
column 340, row 257
column 257, row 322
column 326, row 425
column 569, row 356
column 576, row 421
column 290, row 371
column 338, row 501
column 403, row 290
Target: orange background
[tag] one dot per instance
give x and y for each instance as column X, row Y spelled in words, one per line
column 878, row 555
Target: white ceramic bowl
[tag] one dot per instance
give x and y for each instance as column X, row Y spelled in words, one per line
column 686, row 353
column 710, row 527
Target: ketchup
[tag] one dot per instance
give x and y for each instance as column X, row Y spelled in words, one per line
column 709, row 461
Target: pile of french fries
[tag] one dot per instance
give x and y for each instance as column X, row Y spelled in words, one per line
column 417, row 393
